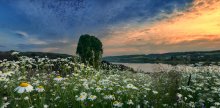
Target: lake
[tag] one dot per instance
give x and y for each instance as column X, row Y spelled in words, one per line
column 146, row 67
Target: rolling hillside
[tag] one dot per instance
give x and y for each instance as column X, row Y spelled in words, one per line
column 172, row 58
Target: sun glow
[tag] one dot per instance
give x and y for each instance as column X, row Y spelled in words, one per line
column 196, row 27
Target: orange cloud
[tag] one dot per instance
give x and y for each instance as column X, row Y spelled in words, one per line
column 200, row 21
column 199, row 24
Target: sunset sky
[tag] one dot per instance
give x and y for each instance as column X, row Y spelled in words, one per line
column 124, row 26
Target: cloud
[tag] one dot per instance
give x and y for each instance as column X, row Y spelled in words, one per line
column 50, row 49
column 76, row 17
column 30, row 39
column 196, row 28
column 36, row 41
column 22, row 34
column 124, row 26
column 2, row 46
column 57, row 46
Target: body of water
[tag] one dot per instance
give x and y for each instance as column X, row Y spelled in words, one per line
column 146, row 67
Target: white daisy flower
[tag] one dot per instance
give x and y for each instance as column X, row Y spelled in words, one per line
column 130, row 102
column 117, row 104
column 82, row 96
column 58, row 78
column 14, row 53
column 24, row 87
column 155, row 92
column 26, row 98
column 109, row 97
column 46, row 106
column 40, row 89
column 5, row 105
column 98, row 89
column 131, row 86
column 5, row 98
column 92, row 97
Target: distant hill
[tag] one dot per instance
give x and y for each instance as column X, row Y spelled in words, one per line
column 170, row 58
column 7, row 55
column 105, row 65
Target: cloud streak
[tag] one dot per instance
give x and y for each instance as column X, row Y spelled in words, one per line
column 2, row 46
column 196, row 28
column 21, row 34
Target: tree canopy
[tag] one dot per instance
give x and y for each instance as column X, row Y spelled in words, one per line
column 90, row 50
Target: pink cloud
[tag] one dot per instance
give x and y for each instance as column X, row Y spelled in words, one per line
column 195, row 29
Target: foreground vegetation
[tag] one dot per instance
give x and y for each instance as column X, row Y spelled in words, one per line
column 49, row 83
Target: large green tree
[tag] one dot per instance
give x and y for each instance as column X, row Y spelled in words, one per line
column 90, row 50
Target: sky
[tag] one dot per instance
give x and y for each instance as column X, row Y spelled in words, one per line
column 125, row 27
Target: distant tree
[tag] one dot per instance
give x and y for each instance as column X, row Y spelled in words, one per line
column 90, row 50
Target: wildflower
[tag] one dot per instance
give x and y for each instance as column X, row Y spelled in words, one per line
column 46, row 106
column 58, row 97
column 192, row 104
column 155, row 92
column 86, row 85
column 217, row 104
column 131, row 86
column 5, row 98
column 210, row 100
column 24, row 87
column 63, row 88
column 3, row 78
column 148, row 89
column 119, row 92
column 98, row 89
column 165, row 105
column 5, row 105
column 109, row 97
column 75, row 74
column 117, row 104
column 26, row 98
column 179, row 96
column 14, row 53
column 130, row 102
column 190, row 96
column 40, row 89
column 82, row 96
column 5, row 86
column 58, row 78
column 92, row 97
column 145, row 102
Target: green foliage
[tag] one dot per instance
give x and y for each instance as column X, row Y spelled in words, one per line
column 90, row 50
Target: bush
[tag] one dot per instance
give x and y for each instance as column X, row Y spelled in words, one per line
column 90, row 50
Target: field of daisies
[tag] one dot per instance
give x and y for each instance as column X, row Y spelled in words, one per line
column 65, row 83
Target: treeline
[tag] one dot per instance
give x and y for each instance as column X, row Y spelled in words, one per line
column 206, row 57
column 8, row 55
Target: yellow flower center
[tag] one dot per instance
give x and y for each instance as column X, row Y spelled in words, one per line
column 40, row 87
column 59, row 77
column 115, row 102
column 24, row 84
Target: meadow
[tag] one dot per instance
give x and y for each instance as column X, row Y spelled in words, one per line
column 66, row 83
